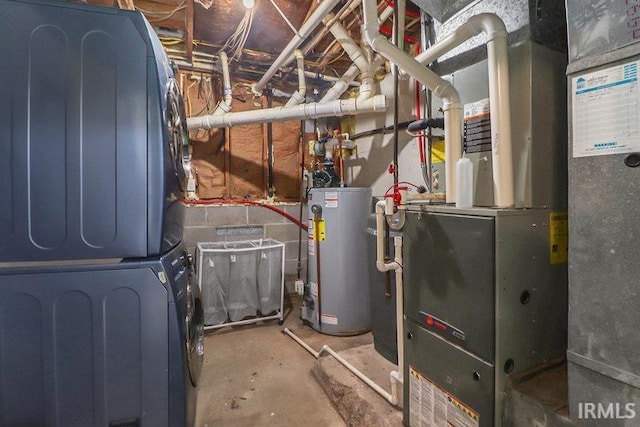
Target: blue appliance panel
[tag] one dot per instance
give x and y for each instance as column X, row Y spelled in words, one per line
column 83, row 347
column 86, row 170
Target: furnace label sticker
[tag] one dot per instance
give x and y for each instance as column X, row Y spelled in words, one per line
column 331, row 199
column 477, row 126
column 605, row 111
column 558, row 237
column 429, row 405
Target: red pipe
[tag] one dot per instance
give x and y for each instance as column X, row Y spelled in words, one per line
column 387, row 32
column 247, row 202
column 409, row 12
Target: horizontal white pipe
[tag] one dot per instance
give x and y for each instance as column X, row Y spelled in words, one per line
column 307, row 28
column 342, row 84
column 390, row 397
column 299, row 96
column 225, row 105
column 501, row 142
column 336, row 108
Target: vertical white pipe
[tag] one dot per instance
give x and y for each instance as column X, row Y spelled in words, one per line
column 497, row 58
column 225, row 105
column 399, row 307
column 307, row 28
column 440, row 87
column 299, row 96
column 501, row 143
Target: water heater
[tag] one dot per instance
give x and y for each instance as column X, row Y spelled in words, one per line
column 336, row 300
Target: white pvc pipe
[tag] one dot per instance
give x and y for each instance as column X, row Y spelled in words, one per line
column 399, row 308
column 440, row 88
column 357, row 55
column 307, row 28
column 385, row 14
column 314, row 110
column 392, row 397
column 342, row 84
column 385, row 208
column 225, row 105
column 299, row 96
column 501, row 142
column 348, row 44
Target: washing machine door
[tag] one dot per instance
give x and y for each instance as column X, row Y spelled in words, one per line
column 194, row 328
column 179, row 144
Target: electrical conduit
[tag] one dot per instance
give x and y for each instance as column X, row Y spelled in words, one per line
column 440, row 87
column 501, row 143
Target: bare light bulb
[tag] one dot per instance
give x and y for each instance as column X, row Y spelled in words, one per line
column 248, row 3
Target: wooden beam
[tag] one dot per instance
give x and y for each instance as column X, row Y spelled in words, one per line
column 189, row 35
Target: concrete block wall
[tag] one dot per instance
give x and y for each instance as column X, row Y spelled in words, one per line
column 219, row 223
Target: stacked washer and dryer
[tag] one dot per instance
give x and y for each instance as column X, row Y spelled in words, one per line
column 100, row 312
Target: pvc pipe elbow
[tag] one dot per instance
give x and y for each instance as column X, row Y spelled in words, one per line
column 490, row 24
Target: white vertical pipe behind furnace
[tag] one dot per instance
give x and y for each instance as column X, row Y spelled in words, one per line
column 497, row 59
column 440, row 88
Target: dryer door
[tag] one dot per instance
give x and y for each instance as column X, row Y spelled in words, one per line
column 194, row 328
column 178, row 135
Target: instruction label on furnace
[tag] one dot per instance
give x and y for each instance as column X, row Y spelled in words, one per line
column 429, row 405
column 558, row 237
column 605, row 112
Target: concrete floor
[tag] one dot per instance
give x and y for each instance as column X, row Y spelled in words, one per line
column 256, row 375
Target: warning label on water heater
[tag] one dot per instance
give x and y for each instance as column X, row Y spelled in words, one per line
column 606, row 117
column 429, row 405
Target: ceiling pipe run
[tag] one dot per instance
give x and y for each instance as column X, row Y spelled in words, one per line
column 313, row 110
column 299, row 96
column 440, row 87
column 501, row 143
column 358, row 56
column 307, row 28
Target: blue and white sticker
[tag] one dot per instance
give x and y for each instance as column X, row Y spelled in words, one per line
column 605, row 111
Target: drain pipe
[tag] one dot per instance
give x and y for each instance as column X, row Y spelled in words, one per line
column 501, row 143
column 440, row 87
column 307, row 28
column 337, row 108
column 357, row 55
column 341, row 85
column 299, row 97
column 225, row 105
